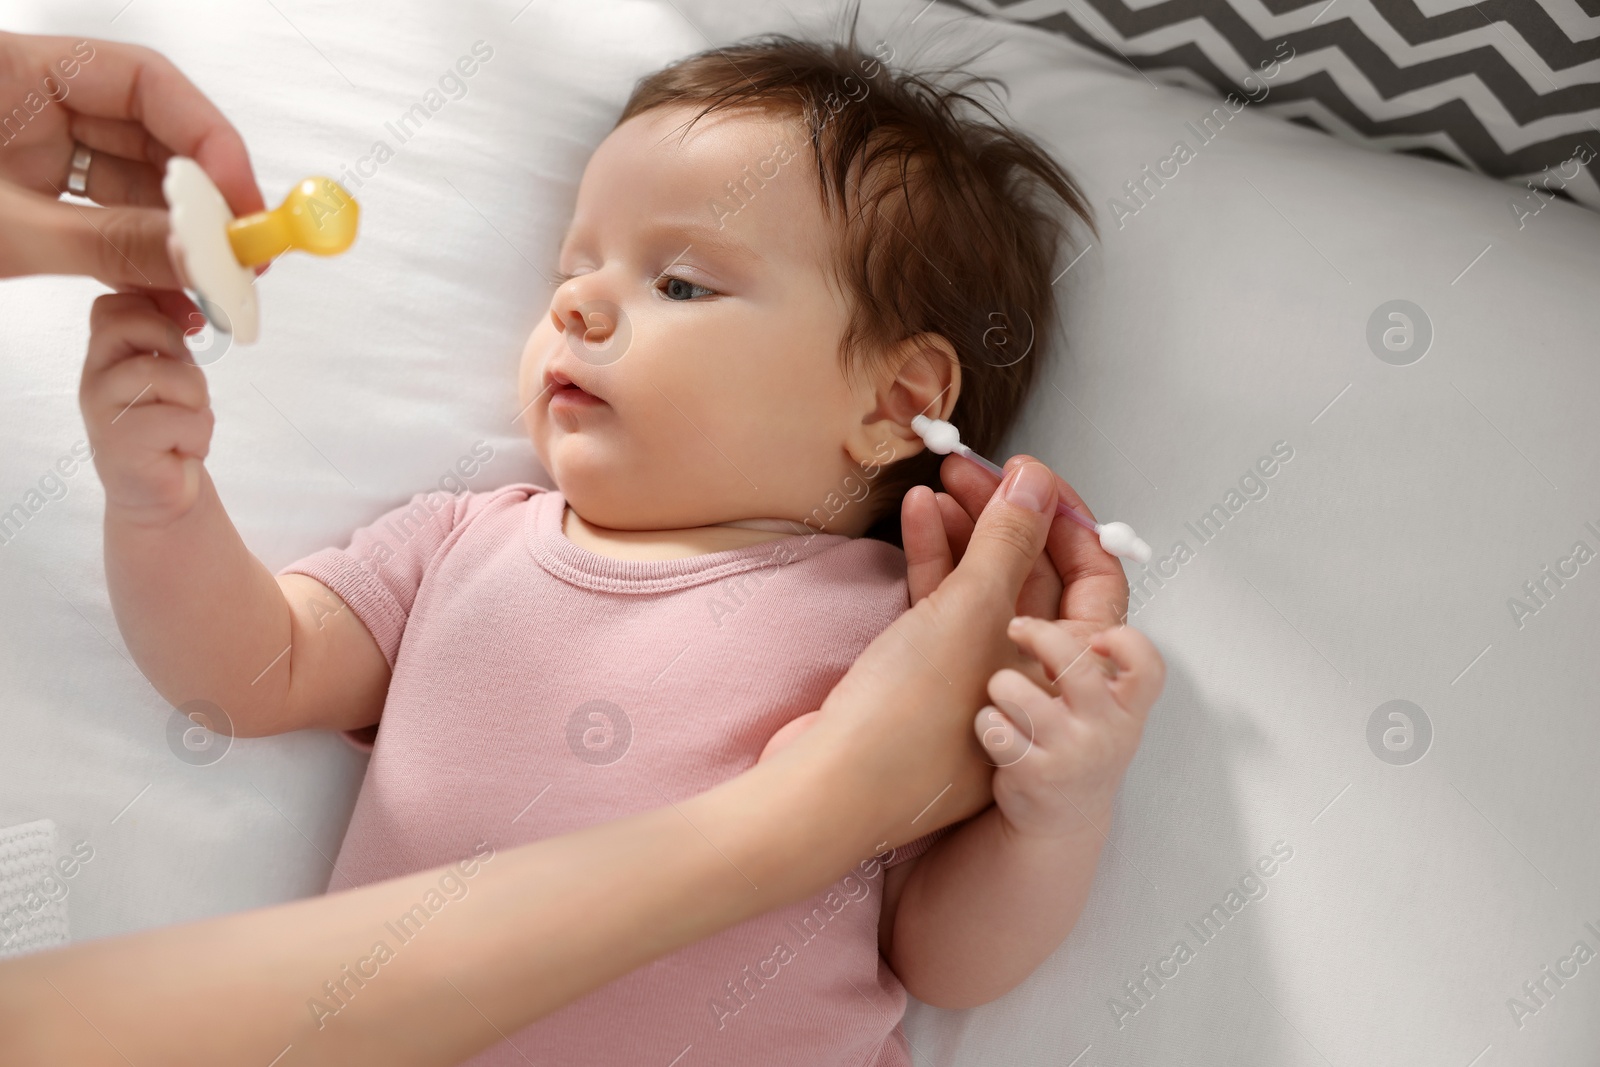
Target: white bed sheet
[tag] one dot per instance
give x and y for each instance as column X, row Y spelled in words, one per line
column 1228, row 314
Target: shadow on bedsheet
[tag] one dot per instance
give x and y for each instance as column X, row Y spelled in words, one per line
column 1180, row 869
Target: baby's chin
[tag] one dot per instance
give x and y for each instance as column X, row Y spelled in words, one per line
column 603, row 505
column 610, row 498
column 605, row 490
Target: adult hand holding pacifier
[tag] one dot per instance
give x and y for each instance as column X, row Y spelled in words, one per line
column 102, row 119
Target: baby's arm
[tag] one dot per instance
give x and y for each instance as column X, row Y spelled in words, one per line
column 972, row 917
column 203, row 617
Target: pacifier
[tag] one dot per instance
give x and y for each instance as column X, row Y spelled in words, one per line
column 217, row 253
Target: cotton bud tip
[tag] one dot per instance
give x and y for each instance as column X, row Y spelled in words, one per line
column 940, row 436
column 1119, row 539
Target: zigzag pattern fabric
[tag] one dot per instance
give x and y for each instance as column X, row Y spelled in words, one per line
column 1509, row 88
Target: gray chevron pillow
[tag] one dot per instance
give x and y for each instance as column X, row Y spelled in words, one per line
column 1510, row 88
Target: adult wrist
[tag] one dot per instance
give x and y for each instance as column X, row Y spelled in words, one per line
column 794, row 822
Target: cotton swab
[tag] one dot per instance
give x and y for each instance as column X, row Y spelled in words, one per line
column 1116, row 538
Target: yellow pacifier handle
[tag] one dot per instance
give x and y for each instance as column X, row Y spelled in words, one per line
column 317, row 216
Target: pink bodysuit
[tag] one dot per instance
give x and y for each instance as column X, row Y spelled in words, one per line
column 539, row 688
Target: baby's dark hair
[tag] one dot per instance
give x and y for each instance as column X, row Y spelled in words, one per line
column 944, row 226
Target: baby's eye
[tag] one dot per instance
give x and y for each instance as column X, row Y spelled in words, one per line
column 683, row 289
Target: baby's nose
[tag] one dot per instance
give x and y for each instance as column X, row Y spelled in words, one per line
column 594, row 327
column 596, row 322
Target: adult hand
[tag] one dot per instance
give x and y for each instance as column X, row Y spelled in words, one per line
column 891, row 756
column 904, row 710
column 134, row 110
column 1076, row 581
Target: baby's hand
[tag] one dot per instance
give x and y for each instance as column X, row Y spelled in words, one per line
column 1083, row 739
column 146, row 406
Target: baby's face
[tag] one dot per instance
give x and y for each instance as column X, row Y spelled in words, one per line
column 705, row 332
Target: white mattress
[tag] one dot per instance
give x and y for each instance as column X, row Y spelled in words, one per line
column 1229, row 314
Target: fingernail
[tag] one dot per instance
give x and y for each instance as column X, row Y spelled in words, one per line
column 1030, row 486
column 1017, row 623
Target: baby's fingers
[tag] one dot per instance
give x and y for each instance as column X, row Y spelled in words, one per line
column 153, row 430
column 128, row 324
column 1000, row 736
column 1058, row 651
column 1141, row 672
column 144, row 379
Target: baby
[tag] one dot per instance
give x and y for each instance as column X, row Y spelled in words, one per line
column 782, row 253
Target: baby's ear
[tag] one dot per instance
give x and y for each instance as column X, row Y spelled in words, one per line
column 921, row 376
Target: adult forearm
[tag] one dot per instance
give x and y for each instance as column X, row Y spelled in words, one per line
column 890, row 758
column 203, row 618
column 536, row 927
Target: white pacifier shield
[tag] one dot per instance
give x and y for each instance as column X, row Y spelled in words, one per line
column 200, row 218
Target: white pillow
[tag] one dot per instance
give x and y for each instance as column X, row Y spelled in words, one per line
column 376, row 373
column 1244, row 304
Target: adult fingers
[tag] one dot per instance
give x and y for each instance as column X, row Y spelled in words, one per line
column 957, row 523
column 119, row 137
column 127, row 164
column 927, row 549
column 970, row 487
column 120, row 246
column 1096, row 589
column 114, row 180
column 900, row 717
column 123, row 81
column 1093, row 587
column 934, row 531
column 1006, row 541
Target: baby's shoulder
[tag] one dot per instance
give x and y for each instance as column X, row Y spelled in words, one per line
column 471, row 503
column 880, row 558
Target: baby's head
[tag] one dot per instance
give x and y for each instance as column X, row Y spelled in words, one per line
column 783, row 252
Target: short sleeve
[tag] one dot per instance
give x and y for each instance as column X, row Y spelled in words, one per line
column 912, row 849
column 379, row 571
